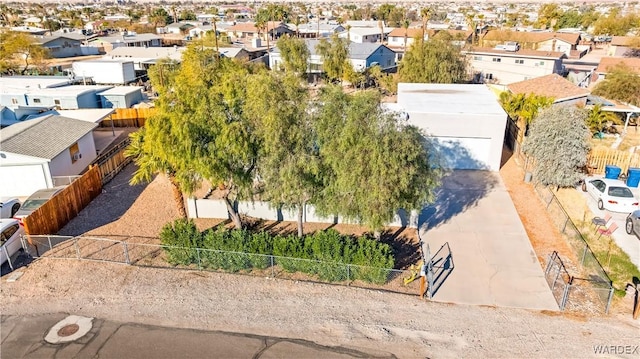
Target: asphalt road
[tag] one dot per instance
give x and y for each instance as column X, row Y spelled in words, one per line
column 23, row 337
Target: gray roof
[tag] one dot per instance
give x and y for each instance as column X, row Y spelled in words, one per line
column 44, row 137
column 359, row 51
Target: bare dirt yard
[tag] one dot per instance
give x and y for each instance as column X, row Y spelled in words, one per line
column 403, row 325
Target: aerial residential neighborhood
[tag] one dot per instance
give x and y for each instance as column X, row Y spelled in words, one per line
column 263, row 179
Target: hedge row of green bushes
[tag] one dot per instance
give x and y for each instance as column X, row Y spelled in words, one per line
column 324, row 253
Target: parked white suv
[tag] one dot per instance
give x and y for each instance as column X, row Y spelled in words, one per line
column 8, row 207
column 10, row 238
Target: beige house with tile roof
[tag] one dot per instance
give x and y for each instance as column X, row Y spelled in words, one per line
column 504, row 67
column 606, row 63
column 621, row 44
column 541, row 41
column 560, row 89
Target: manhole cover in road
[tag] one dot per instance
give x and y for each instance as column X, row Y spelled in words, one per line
column 68, row 330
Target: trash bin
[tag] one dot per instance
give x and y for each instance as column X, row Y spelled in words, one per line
column 611, row 172
column 633, row 179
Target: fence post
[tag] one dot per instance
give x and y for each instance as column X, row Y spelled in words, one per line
column 549, row 261
column 584, row 255
column 273, row 274
column 49, row 240
column 198, row 255
column 6, row 252
column 126, row 253
column 565, row 296
column 75, row 243
column 606, row 309
column 348, row 276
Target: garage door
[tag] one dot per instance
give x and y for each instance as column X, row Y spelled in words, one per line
column 464, row 153
column 21, row 181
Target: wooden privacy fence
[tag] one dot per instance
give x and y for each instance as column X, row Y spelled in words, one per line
column 600, row 157
column 65, row 205
column 112, row 161
column 128, row 117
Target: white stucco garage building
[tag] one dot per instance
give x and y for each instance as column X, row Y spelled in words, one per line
column 466, row 121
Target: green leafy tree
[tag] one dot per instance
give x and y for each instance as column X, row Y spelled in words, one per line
column 433, row 61
column 19, row 51
column 159, row 17
column 335, row 54
column 524, row 107
column 187, row 15
column 375, row 163
column 616, row 24
column 559, row 143
column 289, row 166
column 548, row 16
column 599, row 120
column 621, row 83
column 295, row 54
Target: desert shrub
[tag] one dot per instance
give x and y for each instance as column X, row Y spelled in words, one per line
column 183, row 238
column 325, row 254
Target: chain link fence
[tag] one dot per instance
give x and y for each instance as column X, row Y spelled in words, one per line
column 590, row 288
column 160, row 256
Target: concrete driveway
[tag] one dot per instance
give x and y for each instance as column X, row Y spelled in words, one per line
column 493, row 259
column 629, row 243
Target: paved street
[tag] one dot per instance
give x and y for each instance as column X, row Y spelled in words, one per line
column 23, row 337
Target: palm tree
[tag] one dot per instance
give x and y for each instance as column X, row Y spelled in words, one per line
column 599, row 120
column 405, row 26
column 426, row 15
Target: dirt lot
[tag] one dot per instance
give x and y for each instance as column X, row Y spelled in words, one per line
column 327, row 314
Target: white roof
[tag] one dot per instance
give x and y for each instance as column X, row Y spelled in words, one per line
column 26, row 82
column 121, row 90
column 145, row 53
column 448, row 99
column 74, row 90
column 94, row 115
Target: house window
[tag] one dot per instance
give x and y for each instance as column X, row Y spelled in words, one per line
column 488, row 76
column 519, row 61
column 74, row 151
column 541, row 63
column 36, row 100
column 477, row 58
column 497, row 59
column 14, row 101
column 57, row 102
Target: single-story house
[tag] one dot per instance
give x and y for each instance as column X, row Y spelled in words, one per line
column 620, row 45
column 249, row 30
column 365, row 34
column 465, row 122
column 361, row 56
column 60, row 46
column 143, row 57
column 108, row 43
column 560, row 89
column 607, row 63
column 313, row 29
column 34, row 152
column 121, row 97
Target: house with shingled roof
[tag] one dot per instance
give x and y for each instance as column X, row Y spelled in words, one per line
column 620, row 45
column 37, row 150
column 505, row 67
column 555, row 86
column 607, row 63
column 249, row 30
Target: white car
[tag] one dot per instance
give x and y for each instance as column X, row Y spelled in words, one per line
column 8, row 207
column 612, row 195
column 10, row 237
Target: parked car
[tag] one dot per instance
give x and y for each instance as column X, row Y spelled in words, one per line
column 612, row 195
column 633, row 223
column 8, row 207
column 35, row 201
column 10, row 236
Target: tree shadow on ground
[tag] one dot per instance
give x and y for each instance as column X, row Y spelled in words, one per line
column 406, row 248
column 460, row 190
column 116, row 198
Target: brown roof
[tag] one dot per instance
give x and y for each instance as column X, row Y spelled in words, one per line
column 251, row 26
column 608, row 62
column 411, row 33
column 519, row 53
column 530, row 37
column 552, row 85
column 623, row 40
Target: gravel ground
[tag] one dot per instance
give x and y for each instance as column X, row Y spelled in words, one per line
column 330, row 315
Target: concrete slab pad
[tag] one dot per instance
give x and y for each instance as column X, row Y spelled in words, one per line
column 493, row 262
